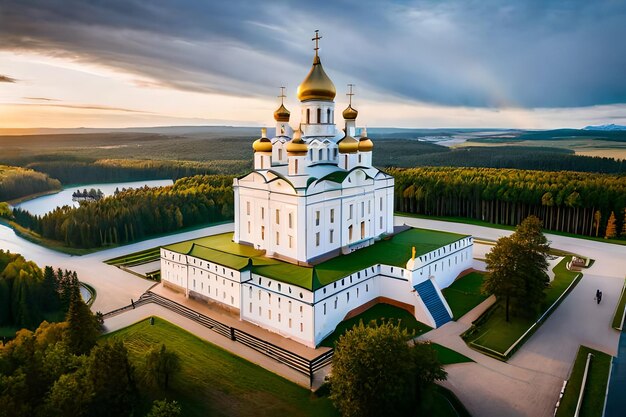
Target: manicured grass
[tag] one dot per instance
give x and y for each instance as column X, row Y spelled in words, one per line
column 506, row 227
column 595, row 387
column 395, row 251
column 448, row 356
column 619, row 311
column 464, row 294
column 378, row 313
column 136, row 258
column 215, row 382
column 491, row 331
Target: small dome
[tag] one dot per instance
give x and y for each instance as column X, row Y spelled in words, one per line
column 348, row 145
column 296, row 146
column 365, row 143
column 281, row 114
column 263, row 144
column 350, row 113
column 317, row 85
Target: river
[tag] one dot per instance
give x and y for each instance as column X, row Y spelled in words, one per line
column 47, row 203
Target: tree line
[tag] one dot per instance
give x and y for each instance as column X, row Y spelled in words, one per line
column 134, row 214
column 118, row 170
column 29, row 294
column 580, row 203
column 16, row 182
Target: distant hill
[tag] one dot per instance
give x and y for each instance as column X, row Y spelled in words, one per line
column 161, row 130
column 609, row 127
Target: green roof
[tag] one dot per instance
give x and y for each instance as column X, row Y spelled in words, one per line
column 395, row 251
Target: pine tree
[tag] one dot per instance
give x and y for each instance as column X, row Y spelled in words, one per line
column 83, row 328
column 49, row 290
column 611, row 227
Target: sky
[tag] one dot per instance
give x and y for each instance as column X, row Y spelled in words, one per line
column 447, row 63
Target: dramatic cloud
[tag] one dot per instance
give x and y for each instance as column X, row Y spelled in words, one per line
column 6, row 79
column 474, row 53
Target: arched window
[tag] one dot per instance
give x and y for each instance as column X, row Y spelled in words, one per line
column 308, row 116
column 328, row 120
column 321, row 154
column 319, row 116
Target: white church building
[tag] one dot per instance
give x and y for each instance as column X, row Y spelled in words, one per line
column 314, row 240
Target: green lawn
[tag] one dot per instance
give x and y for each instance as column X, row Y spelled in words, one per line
column 215, row 382
column 492, row 332
column 136, row 258
column 595, row 388
column 464, row 294
column 378, row 313
column 619, row 311
column 446, row 404
column 448, row 356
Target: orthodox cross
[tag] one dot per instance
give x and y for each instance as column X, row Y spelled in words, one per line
column 350, row 93
column 282, row 95
column 317, row 41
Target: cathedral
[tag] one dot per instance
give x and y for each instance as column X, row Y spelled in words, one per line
column 314, row 240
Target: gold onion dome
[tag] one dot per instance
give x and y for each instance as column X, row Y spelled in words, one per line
column 263, row 144
column 350, row 113
column 348, row 145
column 317, row 85
column 281, row 114
column 296, row 146
column 365, row 144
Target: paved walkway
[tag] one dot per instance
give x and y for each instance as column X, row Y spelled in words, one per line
column 529, row 384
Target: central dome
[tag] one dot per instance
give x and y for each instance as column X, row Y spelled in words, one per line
column 317, row 85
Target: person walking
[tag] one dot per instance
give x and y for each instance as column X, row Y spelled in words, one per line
column 599, row 296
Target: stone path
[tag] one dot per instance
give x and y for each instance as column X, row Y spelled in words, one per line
column 529, row 384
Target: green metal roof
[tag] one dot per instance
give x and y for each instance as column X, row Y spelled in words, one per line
column 394, row 251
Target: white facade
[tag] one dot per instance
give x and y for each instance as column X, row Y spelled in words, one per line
column 309, row 316
column 310, row 198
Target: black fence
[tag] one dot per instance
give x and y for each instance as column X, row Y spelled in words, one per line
column 292, row 360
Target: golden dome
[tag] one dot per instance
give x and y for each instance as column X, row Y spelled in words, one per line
column 281, row 114
column 296, row 146
column 350, row 113
column 365, row 144
column 263, row 144
column 348, row 145
column 317, row 85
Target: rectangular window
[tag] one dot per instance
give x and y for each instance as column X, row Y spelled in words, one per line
column 369, row 206
column 250, row 308
column 291, row 220
column 381, row 204
column 277, row 216
column 317, row 239
column 350, row 212
column 332, row 232
column 362, row 208
column 290, row 242
column 262, row 213
column 317, row 218
column 249, row 227
column 332, row 215
column 290, row 323
column 381, row 222
column 277, row 238
column 248, row 208
column 301, row 327
column 324, row 308
column 262, row 232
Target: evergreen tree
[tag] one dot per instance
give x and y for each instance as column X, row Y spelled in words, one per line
column 503, row 279
column 83, row 327
column 49, row 290
column 611, row 227
column 623, row 234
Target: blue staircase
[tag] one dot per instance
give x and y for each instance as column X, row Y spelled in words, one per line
column 430, row 297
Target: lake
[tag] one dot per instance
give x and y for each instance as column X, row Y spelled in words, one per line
column 47, row 203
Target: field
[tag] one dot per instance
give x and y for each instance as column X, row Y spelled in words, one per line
column 214, row 382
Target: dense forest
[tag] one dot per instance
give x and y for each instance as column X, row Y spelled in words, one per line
column 28, row 295
column 133, row 214
column 518, row 157
column 118, row 170
column 18, row 182
column 565, row 201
